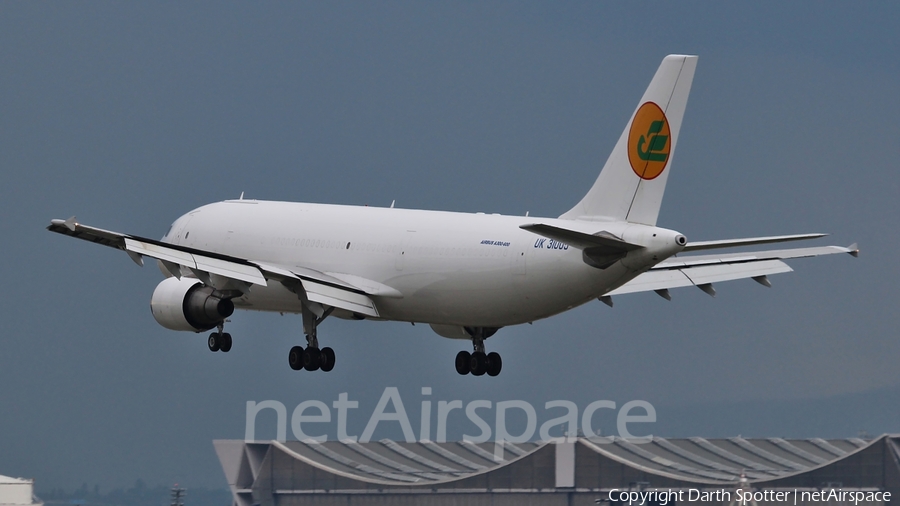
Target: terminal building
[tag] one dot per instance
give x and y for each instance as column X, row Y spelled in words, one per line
column 574, row 471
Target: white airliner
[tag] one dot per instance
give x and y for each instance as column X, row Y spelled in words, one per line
column 467, row 275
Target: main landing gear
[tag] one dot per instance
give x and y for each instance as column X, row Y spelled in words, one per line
column 312, row 358
column 478, row 362
column 219, row 340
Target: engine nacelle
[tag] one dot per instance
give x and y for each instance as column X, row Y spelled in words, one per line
column 188, row 304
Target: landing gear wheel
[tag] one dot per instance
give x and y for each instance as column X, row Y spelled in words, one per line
column 295, row 358
column 478, row 363
column 311, row 359
column 225, row 342
column 326, row 359
column 213, row 342
column 462, row 362
column 494, row 363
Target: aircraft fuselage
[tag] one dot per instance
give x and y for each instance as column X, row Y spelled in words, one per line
column 444, row 267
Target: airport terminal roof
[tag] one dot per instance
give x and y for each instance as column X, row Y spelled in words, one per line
column 426, row 463
column 398, row 463
column 724, row 460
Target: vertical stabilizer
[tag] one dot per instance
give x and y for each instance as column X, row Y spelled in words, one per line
column 631, row 185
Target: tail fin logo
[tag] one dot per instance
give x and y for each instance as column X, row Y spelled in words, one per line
column 649, row 141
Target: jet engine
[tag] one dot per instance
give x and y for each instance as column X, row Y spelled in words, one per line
column 188, row 304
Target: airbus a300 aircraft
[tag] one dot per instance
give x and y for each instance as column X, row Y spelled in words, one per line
column 467, row 275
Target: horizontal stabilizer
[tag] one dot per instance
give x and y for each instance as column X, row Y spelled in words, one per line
column 752, row 241
column 602, row 241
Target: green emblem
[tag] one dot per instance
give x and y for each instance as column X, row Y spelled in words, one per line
column 656, row 144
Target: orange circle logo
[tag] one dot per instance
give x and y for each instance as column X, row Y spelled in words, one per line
column 649, row 141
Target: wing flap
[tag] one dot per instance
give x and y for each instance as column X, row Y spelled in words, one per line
column 730, row 272
column 367, row 285
column 276, row 272
column 700, row 275
column 320, row 287
column 339, row 297
column 196, row 261
column 698, row 270
column 160, row 252
column 654, row 280
column 325, row 288
column 241, row 272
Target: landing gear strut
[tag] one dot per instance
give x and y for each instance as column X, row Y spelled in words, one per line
column 312, row 358
column 478, row 362
column 219, row 340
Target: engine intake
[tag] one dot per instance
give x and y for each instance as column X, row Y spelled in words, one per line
column 188, row 304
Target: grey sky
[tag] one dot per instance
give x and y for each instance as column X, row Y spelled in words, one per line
column 130, row 114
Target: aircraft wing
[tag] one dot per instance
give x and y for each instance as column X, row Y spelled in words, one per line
column 215, row 268
column 704, row 270
column 731, row 243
